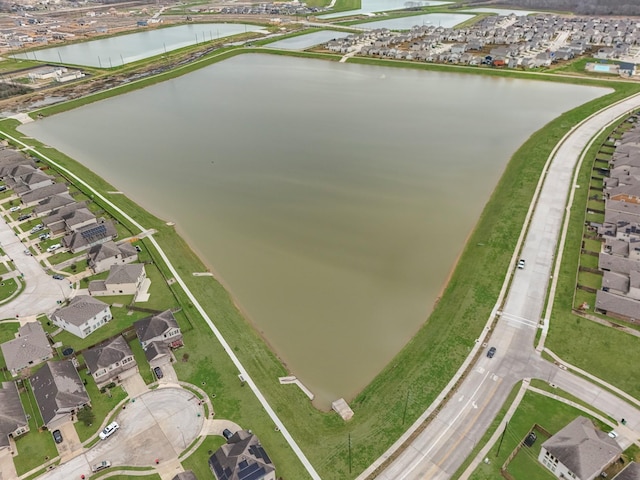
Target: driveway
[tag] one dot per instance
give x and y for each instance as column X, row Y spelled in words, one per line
column 134, row 385
column 70, row 440
column 158, row 425
column 41, row 292
column 7, row 468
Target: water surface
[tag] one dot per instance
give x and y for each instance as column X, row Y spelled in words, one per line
column 122, row 49
column 371, row 6
column 302, row 42
column 446, row 20
column 331, row 198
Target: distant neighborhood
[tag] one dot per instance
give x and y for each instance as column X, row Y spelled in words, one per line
column 503, row 41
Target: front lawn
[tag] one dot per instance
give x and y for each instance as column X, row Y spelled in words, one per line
column 198, row 461
column 7, row 288
column 101, row 404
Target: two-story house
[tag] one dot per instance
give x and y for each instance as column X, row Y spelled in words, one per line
column 111, row 361
column 83, row 315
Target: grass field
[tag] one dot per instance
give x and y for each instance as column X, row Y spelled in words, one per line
column 423, row 367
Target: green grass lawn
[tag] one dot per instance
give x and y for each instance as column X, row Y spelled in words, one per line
column 198, row 460
column 35, row 447
column 534, row 408
column 7, row 288
column 588, row 279
column 101, row 404
column 161, row 296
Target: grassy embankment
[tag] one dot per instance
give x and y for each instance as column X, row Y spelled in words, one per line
column 423, row 367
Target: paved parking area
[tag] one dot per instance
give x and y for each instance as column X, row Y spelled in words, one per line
column 159, row 424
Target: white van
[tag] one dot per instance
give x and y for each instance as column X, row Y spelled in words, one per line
column 109, row 430
column 54, row 247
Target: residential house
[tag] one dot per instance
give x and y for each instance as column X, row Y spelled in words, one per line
column 59, row 392
column 158, row 334
column 101, row 257
column 111, row 361
column 240, row 457
column 83, row 315
column 53, row 203
column 13, row 421
column 33, row 197
column 86, row 237
column 579, row 451
column 123, row 279
column 30, row 348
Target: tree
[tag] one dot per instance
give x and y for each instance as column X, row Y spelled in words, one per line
column 86, row 416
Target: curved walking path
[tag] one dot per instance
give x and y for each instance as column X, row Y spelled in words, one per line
column 460, row 424
column 236, row 361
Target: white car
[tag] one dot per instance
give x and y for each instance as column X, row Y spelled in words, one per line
column 101, row 466
column 613, row 434
column 109, row 430
column 14, row 209
column 54, row 247
column 521, row 264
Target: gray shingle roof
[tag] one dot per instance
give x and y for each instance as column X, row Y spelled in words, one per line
column 616, row 281
column 80, row 215
column 31, row 345
column 625, row 306
column 155, row 350
column 150, row 327
column 53, row 202
column 44, row 192
column 107, row 353
column 89, row 235
column 57, row 386
column 12, row 413
column 582, row 448
column 242, row 453
column 124, row 274
column 59, row 214
column 617, row 264
column 630, row 472
column 80, row 309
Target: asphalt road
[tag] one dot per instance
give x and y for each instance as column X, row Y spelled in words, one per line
column 158, row 425
column 442, row 447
